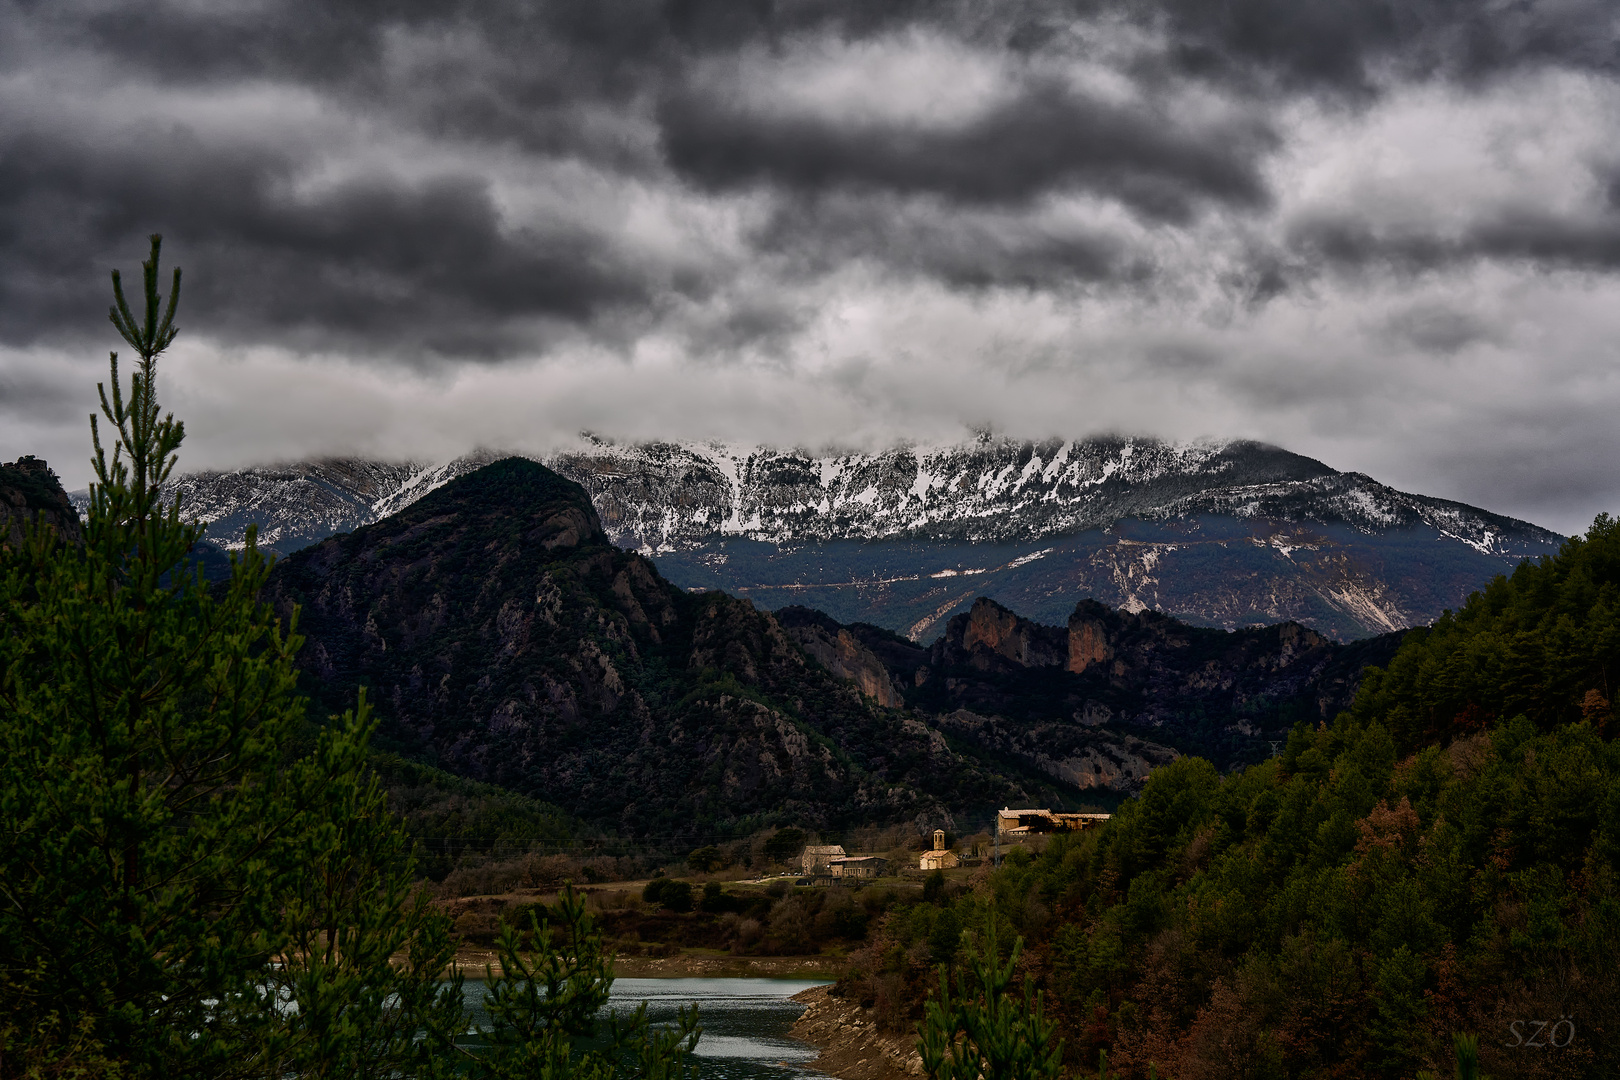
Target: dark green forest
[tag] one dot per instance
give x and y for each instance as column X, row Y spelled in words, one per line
column 1441, row 858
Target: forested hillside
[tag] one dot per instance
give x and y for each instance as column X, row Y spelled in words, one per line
column 1441, row 858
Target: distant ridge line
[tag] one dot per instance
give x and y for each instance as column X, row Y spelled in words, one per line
column 670, row 496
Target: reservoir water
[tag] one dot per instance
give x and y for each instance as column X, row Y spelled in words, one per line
column 745, row 1021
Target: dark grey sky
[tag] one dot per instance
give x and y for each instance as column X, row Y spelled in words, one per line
column 1383, row 234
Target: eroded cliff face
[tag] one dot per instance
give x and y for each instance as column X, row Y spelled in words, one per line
column 838, row 650
column 29, row 490
column 1231, row 696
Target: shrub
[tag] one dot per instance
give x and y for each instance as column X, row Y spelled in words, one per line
column 676, row 896
column 705, row 860
column 715, row 900
column 784, row 844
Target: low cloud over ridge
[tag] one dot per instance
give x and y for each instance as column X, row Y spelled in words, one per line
column 1386, row 236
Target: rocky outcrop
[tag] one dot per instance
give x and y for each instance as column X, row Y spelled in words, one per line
column 989, row 637
column 841, row 652
column 30, row 491
column 1088, row 641
column 1067, row 701
column 992, row 628
column 1098, row 705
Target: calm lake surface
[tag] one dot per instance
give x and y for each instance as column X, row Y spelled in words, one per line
column 745, row 1021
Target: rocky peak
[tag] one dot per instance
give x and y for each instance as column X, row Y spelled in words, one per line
column 990, row 636
column 29, row 489
column 1089, row 639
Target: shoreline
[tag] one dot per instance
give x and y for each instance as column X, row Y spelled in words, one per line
column 472, row 962
column 851, row 1045
column 848, row 1042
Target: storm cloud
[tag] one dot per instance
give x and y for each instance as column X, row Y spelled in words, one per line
column 1384, row 234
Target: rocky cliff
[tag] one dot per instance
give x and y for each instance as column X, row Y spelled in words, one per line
column 839, row 650
column 29, row 490
column 1101, row 701
column 1097, row 704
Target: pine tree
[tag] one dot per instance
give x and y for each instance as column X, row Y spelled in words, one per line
column 543, row 998
column 981, row 1032
column 181, row 893
column 194, row 880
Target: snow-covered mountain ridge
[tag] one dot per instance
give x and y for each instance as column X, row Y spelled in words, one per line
column 1226, row 534
column 668, row 496
column 664, row 497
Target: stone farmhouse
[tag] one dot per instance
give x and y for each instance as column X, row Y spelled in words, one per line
column 815, row 858
column 858, row 867
column 1016, row 825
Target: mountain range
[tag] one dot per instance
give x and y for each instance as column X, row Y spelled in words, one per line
column 1221, row 534
column 504, row 638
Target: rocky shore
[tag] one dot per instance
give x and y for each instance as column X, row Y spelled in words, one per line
column 851, row 1044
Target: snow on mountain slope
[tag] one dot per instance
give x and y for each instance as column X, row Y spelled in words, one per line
column 300, row 504
column 1221, row 533
column 664, row 497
